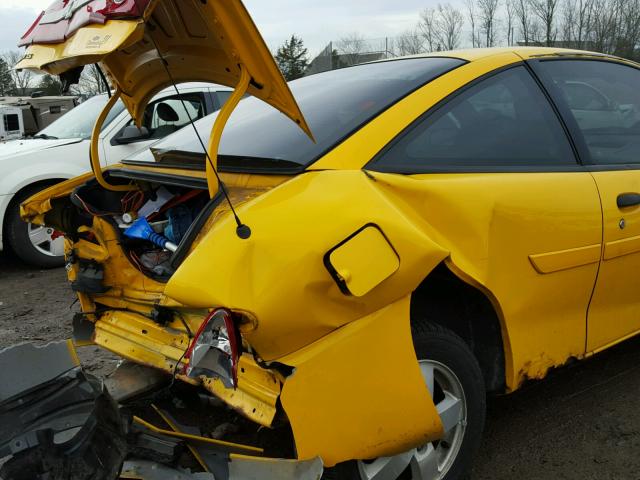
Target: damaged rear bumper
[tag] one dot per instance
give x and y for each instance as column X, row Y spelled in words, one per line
column 55, row 421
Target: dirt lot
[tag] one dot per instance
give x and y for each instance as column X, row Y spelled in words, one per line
column 582, row 423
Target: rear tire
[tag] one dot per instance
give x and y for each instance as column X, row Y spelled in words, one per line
column 439, row 347
column 19, row 239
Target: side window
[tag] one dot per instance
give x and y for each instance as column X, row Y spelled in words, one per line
column 223, row 96
column 167, row 115
column 505, row 120
column 11, row 123
column 604, row 99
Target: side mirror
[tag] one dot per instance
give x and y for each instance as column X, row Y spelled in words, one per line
column 131, row 134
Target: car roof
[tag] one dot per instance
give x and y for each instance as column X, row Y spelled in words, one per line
column 473, row 54
column 213, row 86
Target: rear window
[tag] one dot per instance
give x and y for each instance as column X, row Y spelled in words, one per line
column 335, row 104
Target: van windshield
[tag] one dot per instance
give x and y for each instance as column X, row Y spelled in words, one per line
column 78, row 123
column 335, row 104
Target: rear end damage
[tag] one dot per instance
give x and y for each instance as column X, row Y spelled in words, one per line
column 57, row 422
column 282, row 317
column 329, row 388
column 120, row 283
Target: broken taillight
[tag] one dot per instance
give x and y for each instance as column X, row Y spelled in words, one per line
column 215, row 349
column 123, row 8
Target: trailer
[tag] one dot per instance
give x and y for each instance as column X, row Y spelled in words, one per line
column 11, row 123
column 39, row 112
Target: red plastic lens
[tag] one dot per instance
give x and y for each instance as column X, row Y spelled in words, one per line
column 215, row 349
column 123, row 8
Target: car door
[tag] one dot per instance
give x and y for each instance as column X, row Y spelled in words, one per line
column 609, row 142
column 163, row 116
column 498, row 183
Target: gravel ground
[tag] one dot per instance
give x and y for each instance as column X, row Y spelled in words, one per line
column 581, row 423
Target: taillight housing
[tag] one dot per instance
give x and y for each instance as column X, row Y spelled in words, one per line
column 215, row 349
column 123, row 8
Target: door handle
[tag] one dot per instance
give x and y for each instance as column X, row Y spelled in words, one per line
column 628, row 200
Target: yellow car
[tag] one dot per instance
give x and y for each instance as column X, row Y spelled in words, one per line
column 365, row 252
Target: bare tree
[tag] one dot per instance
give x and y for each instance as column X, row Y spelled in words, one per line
column 21, row 79
column 576, row 22
column 441, row 27
column 488, row 20
column 428, row 27
column 352, row 46
column 90, row 83
column 471, row 14
column 604, row 26
column 410, row 42
column 509, row 8
column 524, row 20
column 628, row 28
column 545, row 10
column 449, row 23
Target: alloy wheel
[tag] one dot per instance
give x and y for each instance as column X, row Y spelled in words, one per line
column 46, row 240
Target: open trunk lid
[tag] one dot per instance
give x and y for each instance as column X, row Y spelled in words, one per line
column 137, row 41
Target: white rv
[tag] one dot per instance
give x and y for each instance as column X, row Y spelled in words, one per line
column 11, row 123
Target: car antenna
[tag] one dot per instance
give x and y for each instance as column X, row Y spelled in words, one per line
column 243, row 231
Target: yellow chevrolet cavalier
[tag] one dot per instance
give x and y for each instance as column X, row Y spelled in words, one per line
column 365, row 253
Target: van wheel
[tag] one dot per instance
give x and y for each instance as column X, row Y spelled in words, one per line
column 455, row 381
column 36, row 245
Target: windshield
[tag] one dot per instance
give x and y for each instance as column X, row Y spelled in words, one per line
column 335, row 104
column 78, row 123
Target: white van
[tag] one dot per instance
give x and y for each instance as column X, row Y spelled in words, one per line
column 61, row 151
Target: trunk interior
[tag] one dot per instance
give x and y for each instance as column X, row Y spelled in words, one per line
column 176, row 207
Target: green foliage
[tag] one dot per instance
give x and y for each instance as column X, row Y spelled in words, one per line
column 292, row 58
column 6, row 80
column 50, row 85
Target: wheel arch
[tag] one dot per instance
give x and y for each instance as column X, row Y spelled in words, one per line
column 44, row 182
column 450, row 298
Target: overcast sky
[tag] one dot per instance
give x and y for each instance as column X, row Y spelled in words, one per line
column 316, row 22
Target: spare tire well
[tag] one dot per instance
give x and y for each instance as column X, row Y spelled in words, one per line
column 444, row 299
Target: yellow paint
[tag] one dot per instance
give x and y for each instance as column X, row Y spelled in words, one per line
column 618, row 248
column 364, row 261
column 81, row 48
column 200, row 41
column 262, row 275
column 531, row 242
column 574, row 257
column 614, row 312
column 348, row 379
column 73, row 354
column 370, row 139
column 95, row 148
column 257, row 394
column 216, row 133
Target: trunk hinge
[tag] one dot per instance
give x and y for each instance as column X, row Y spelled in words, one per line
column 95, row 150
column 218, row 127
